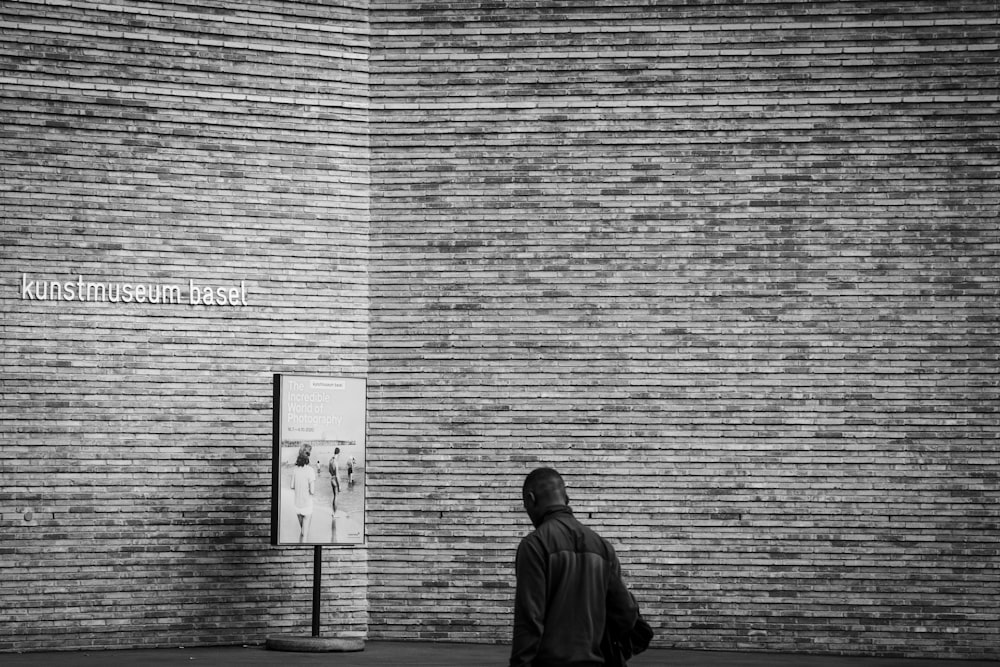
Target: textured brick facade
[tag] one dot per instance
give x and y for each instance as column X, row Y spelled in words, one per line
column 732, row 267
column 159, row 144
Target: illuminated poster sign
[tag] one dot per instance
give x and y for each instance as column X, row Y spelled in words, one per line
column 318, row 460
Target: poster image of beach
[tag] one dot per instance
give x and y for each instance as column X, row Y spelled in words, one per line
column 318, row 466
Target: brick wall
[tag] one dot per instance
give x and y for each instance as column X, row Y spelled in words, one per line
column 153, row 144
column 732, row 268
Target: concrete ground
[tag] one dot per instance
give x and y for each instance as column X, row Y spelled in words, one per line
column 429, row 654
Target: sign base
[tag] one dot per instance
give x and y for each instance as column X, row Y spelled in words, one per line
column 314, row 644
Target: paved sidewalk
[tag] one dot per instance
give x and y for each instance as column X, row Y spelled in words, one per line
column 425, row 654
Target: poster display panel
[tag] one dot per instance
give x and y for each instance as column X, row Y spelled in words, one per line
column 318, row 462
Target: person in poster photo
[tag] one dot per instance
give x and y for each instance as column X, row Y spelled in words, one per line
column 304, row 486
column 335, row 475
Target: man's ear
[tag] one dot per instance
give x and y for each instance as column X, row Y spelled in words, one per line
column 529, row 499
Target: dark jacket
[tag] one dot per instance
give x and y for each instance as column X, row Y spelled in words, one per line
column 569, row 587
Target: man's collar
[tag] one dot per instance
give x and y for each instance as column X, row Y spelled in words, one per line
column 552, row 510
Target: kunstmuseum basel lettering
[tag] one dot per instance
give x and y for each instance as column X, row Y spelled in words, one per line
column 82, row 290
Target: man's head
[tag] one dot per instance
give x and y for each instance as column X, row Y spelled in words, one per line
column 543, row 488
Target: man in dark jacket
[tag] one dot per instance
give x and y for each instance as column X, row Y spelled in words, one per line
column 569, row 585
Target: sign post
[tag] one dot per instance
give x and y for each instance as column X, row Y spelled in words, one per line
column 318, row 480
column 317, row 581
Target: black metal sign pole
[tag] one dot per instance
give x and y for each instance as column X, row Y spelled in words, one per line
column 317, row 578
